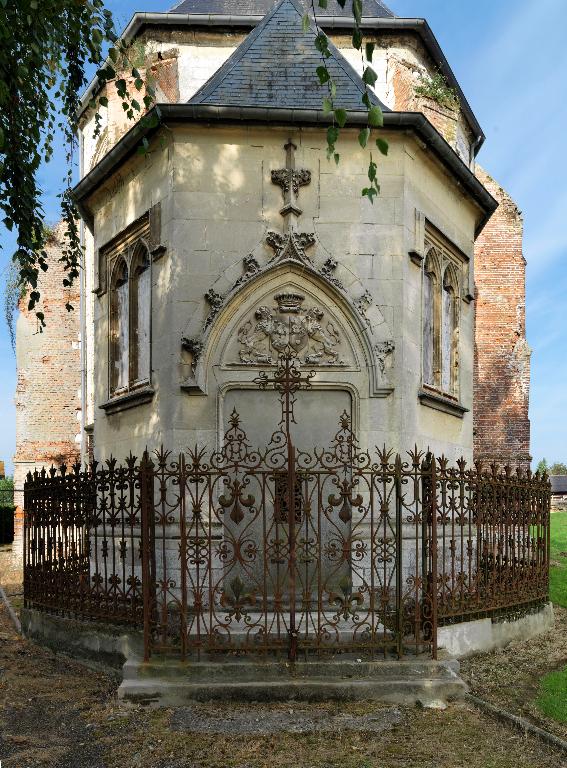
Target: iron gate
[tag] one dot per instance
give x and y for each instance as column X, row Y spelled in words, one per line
column 278, row 550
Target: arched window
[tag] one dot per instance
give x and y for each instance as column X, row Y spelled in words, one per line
column 440, row 322
column 119, row 327
column 140, row 315
column 430, row 320
column 449, row 326
column 130, row 313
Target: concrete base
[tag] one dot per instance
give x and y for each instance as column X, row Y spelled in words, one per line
column 174, row 683
column 468, row 637
column 103, row 644
column 169, row 682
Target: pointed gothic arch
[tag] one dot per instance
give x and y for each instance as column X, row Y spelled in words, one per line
column 450, row 331
column 431, row 323
column 119, row 325
column 362, row 330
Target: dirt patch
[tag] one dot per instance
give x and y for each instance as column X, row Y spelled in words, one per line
column 510, row 677
column 56, row 712
column 290, row 720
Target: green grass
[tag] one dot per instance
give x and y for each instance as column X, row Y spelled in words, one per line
column 558, row 571
column 552, row 699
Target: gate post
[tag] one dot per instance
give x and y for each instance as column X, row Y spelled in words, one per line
column 292, row 654
column 399, row 556
column 147, row 522
column 433, row 557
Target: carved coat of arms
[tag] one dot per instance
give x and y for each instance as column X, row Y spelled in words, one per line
column 315, row 340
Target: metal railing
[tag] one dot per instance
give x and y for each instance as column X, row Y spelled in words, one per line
column 282, row 551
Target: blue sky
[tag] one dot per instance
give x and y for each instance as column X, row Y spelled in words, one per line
column 511, row 61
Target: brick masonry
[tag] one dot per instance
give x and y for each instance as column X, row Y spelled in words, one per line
column 48, row 398
column 502, row 354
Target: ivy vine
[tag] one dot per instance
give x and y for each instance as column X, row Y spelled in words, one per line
column 375, row 117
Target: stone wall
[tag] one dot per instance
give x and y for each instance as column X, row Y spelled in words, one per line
column 217, row 204
column 48, row 398
column 502, row 355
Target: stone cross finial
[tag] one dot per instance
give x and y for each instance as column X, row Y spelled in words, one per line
column 290, row 180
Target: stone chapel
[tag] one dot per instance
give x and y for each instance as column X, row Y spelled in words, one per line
column 235, row 237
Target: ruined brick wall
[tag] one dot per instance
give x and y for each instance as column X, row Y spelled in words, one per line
column 48, row 398
column 408, row 66
column 502, row 354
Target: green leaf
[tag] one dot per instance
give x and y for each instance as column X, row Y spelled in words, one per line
column 366, row 101
column 97, row 36
column 139, row 84
column 322, row 44
column 342, row 3
column 103, row 101
column 323, row 74
column 369, row 76
column 370, row 193
column 327, row 105
column 322, row 3
column 336, row 158
column 369, row 50
column 305, row 22
column 382, row 145
column 357, row 38
column 332, row 135
column 363, row 137
column 333, row 89
column 372, row 168
column 375, row 117
column 341, row 117
column 357, row 10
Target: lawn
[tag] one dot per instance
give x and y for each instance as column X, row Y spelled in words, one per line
column 558, row 572
column 552, row 700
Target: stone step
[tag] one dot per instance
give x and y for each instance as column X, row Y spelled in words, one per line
column 169, row 682
column 167, row 693
column 247, row 669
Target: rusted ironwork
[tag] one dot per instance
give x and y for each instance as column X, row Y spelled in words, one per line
column 276, row 550
column 81, row 541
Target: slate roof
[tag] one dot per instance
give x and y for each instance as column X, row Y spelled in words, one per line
column 371, row 8
column 558, row 485
column 276, row 66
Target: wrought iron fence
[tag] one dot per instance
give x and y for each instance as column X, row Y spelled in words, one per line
column 277, row 550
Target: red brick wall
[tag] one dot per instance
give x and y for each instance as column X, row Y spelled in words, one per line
column 49, row 374
column 502, row 355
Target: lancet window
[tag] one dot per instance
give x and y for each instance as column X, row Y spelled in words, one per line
column 130, row 316
column 440, row 320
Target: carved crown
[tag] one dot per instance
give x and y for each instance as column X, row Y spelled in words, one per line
column 289, row 302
